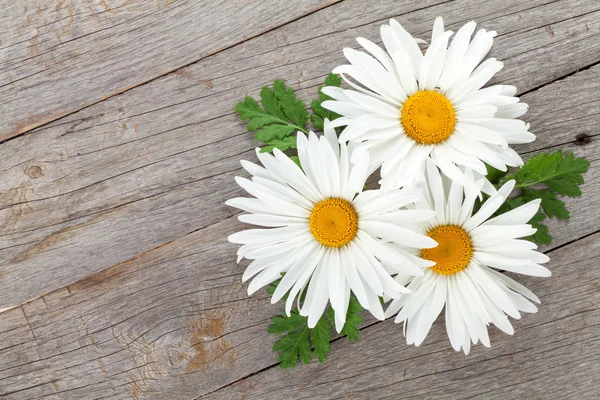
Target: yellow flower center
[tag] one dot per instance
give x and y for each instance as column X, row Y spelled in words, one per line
column 333, row 222
column 428, row 117
column 453, row 252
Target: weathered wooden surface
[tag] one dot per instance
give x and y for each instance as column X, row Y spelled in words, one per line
column 92, row 183
column 59, row 56
column 113, row 244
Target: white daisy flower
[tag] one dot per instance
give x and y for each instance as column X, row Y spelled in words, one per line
column 464, row 276
column 326, row 234
column 409, row 106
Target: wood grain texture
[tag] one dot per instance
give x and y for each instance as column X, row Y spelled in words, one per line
column 553, row 354
column 114, row 222
column 59, row 56
column 122, row 177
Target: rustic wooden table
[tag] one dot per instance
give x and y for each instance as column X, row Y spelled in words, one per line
column 119, row 148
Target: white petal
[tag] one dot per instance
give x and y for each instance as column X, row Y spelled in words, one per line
column 520, row 215
column 317, row 296
column 313, row 259
column 490, row 206
column 493, row 291
column 352, row 277
column 433, row 62
column 455, row 55
column 397, row 234
column 512, row 284
column 275, row 235
column 491, row 234
column 293, row 275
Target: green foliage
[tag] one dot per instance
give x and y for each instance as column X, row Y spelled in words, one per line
column 294, row 343
column 353, row 320
column 542, row 236
column 296, row 160
column 319, row 113
column 320, row 336
column 555, row 174
column 494, row 175
column 281, row 114
column 545, row 177
column 561, row 173
column 297, row 341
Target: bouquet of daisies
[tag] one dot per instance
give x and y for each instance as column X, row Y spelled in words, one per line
column 446, row 218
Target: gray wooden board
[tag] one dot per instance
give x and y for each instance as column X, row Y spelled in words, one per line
column 58, row 56
column 552, row 355
column 114, row 215
column 128, row 174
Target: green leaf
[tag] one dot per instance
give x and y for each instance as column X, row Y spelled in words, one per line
column 494, row 175
column 281, row 144
column 273, row 286
column 294, row 343
column 318, row 112
column 279, row 115
column 271, row 103
column 298, row 341
column 542, row 235
column 353, row 320
column 292, row 346
column 292, row 108
column 272, row 132
column 282, row 323
column 550, row 204
column 296, row 160
column 320, row 336
column 561, row 173
column 546, row 177
column 333, row 80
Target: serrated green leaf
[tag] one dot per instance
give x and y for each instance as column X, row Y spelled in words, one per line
column 278, row 116
column 317, row 121
column 333, row 80
column 273, row 286
column 296, row 160
column 353, row 320
column 564, row 187
column 282, row 323
column 318, row 112
column 270, row 103
column 288, row 142
column 544, row 168
column 291, row 107
column 546, row 177
column 494, row 175
column 552, row 206
column 272, row 132
column 320, row 336
column 542, row 235
column 293, row 346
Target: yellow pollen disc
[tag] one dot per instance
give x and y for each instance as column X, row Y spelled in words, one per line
column 333, row 222
column 428, row 117
column 453, row 252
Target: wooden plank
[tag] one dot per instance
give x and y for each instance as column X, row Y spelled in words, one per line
column 174, row 331
column 175, row 323
column 127, row 175
column 553, row 354
column 170, row 319
column 59, row 56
